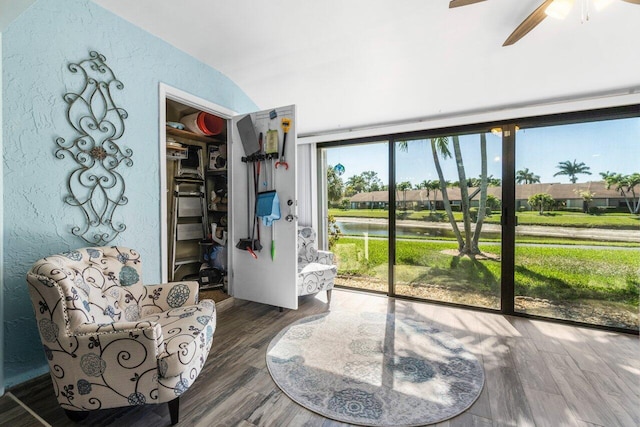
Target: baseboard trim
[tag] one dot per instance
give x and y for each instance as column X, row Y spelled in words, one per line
column 26, row 408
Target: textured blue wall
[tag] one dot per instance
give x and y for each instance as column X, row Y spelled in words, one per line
column 37, row 47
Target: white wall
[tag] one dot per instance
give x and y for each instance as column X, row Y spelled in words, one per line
column 1, row 237
column 485, row 116
column 307, row 180
column 10, row 9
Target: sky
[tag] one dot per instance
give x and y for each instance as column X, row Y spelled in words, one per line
column 612, row 145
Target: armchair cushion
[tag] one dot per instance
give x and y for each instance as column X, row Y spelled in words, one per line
column 307, row 251
column 316, row 271
column 325, row 257
column 167, row 296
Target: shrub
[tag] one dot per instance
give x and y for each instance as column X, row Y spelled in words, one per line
column 493, row 202
column 334, row 231
column 473, row 213
column 436, row 217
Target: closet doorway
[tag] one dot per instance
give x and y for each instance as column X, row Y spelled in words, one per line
column 185, row 167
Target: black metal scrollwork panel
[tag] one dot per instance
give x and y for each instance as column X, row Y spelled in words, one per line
column 95, row 186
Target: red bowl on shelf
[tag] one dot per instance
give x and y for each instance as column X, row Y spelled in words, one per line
column 210, row 124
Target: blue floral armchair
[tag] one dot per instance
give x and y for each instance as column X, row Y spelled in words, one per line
column 112, row 341
column 316, row 271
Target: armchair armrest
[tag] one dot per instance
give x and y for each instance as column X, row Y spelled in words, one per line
column 92, row 329
column 325, row 257
column 167, row 296
column 131, row 336
column 125, row 350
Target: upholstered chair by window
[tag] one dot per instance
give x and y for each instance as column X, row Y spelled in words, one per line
column 316, row 271
column 112, row 341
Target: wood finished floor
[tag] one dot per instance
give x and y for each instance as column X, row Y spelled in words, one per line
column 537, row 373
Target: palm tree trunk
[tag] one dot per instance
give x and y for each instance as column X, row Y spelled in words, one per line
column 626, row 199
column 464, row 196
column 483, row 193
column 445, row 197
column 435, row 200
column 635, row 201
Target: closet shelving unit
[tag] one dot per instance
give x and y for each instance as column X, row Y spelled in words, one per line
column 187, row 242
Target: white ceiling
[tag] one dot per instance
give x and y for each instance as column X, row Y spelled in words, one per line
column 10, row 10
column 364, row 62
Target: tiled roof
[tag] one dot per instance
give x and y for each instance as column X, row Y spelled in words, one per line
column 523, row 191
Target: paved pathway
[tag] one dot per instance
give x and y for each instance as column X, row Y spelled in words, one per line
column 599, row 234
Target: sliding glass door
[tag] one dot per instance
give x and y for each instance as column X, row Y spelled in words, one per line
column 447, row 240
column 357, row 207
column 542, row 221
column 578, row 238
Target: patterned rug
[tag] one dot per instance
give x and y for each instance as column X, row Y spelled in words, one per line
column 374, row 369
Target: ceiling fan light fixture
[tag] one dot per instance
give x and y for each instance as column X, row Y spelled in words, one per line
column 601, row 4
column 498, row 130
column 559, row 9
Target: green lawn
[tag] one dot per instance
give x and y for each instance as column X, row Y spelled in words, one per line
column 558, row 218
column 360, row 213
column 558, row 274
column 576, row 219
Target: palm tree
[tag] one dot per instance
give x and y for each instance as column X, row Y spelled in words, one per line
column 335, row 186
column 625, row 184
column 425, row 185
column 493, row 182
column 469, row 244
column 571, row 169
column 525, row 176
column 464, row 196
column 441, row 145
column 434, row 186
column 484, row 183
column 404, row 186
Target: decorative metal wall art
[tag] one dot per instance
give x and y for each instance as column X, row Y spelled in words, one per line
column 94, row 185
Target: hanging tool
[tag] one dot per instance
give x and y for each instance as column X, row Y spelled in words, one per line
column 273, row 242
column 256, row 185
column 286, row 124
column 268, row 205
column 255, row 243
column 271, row 146
column 251, row 146
column 248, row 244
column 268, row 201
column 273, row 224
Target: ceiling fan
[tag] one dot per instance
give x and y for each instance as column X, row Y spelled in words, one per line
column 555, row 8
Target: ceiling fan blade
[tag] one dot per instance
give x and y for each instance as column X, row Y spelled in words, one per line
column 458, row 3
column 536, row 17
column 628, row 1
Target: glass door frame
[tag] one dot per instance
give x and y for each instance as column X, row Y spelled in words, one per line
column 322, row 194
column 508, row 215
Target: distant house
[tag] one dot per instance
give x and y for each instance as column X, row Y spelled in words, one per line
column 567, row 194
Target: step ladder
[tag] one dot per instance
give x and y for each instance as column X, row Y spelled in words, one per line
column 190, row 220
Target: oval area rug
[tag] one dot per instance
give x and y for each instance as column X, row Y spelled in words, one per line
column 374, row 369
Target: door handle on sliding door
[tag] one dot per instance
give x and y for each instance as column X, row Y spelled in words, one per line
column 504, row 218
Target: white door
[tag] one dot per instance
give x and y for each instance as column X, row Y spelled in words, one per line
column 263, row 278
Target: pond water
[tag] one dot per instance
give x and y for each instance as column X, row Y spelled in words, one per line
column 381, row 230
